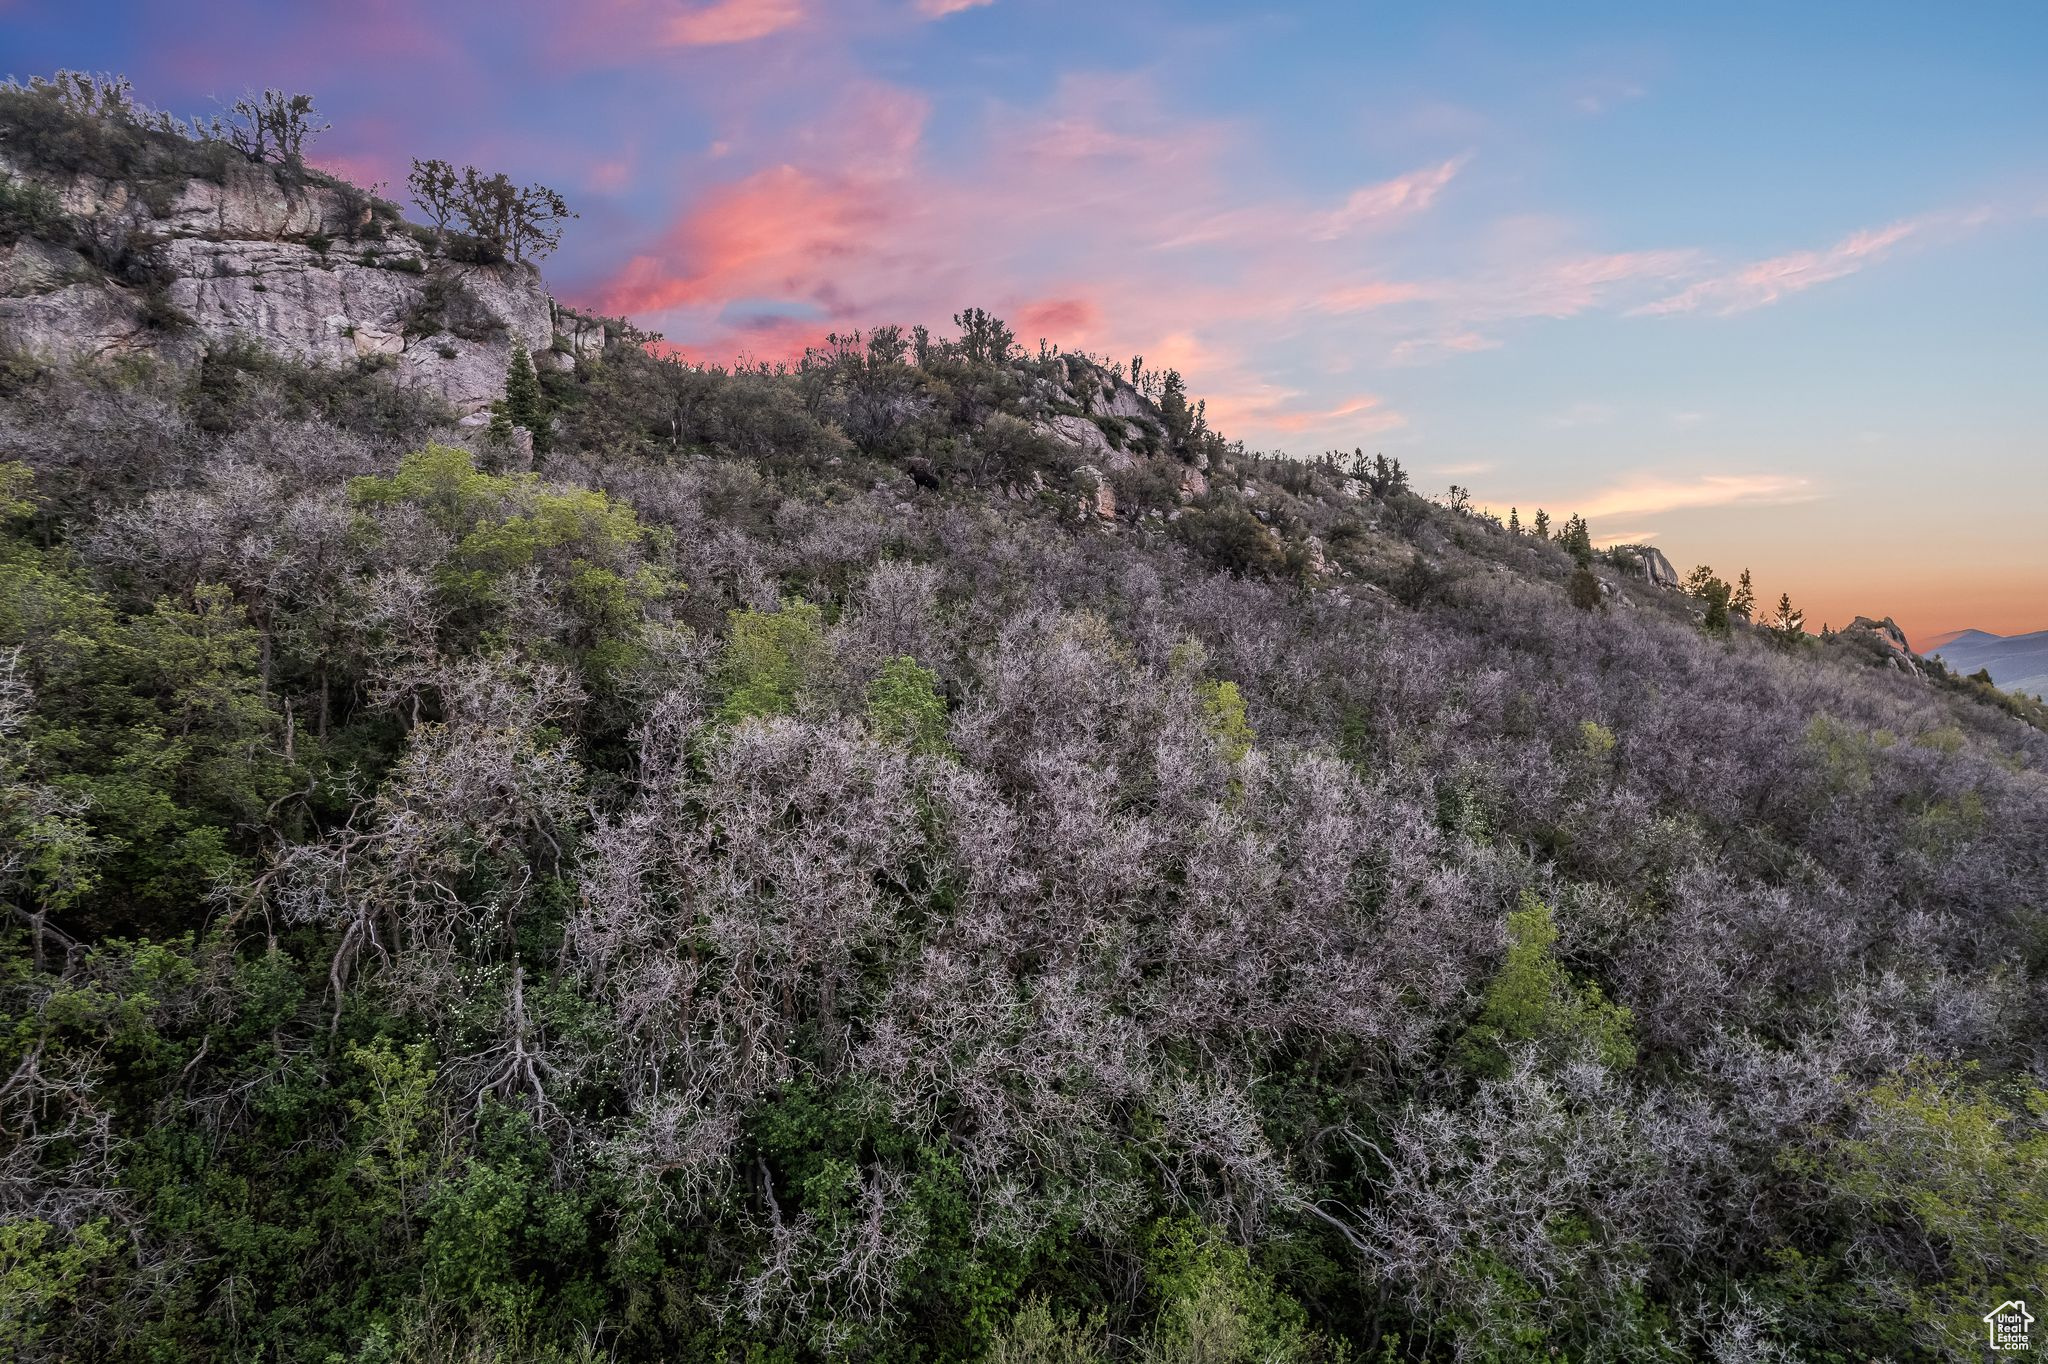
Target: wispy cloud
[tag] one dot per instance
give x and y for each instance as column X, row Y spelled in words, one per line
column 1649, row 496
column 1420, row 350
column 1766, row 281
column 939, row 9
column 730, row 21
column 1373, row 204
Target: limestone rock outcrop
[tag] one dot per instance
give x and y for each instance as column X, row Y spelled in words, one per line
column 304, row 270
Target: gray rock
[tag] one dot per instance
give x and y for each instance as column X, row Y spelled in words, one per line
column 33, row 267
column 1651, row 563
column 1103, row 500
column 1887, row 634
column 245, row 269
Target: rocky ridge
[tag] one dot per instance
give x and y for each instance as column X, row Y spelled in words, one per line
column 309, row 270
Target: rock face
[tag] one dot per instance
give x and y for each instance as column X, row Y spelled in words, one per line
column 301, row 271
column 1102, row 500
column 1655, row 568
column 1886, row 634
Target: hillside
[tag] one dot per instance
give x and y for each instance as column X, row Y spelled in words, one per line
column 2017, row 663
column 935, row 853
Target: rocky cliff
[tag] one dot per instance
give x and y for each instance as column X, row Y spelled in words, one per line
column 313, row 270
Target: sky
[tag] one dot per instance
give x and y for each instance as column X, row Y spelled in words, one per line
column 1764, row 285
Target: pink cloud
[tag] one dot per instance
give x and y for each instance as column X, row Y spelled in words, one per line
column 939, row 9
column 1651, row 495
column 1400, row 197
column 1362, row 415
column 730, row 21
column 1057, row 318
column 1766, row 281
column 1576, row 284
column 610, row 176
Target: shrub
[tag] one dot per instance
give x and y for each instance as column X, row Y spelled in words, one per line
column 1534, row 1000
column 769, row 657
column 903, row 704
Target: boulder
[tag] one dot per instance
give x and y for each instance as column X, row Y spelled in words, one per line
column 1085, row 436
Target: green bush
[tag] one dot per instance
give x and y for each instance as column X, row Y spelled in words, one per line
column 904, row 705
column 769, row 657
column 1534, row 1000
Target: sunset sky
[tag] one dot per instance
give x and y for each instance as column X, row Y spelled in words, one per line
column 1763, row 284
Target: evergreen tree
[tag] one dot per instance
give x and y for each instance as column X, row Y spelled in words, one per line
column 525, row 404
column 1789, row 623
column 1542, row 524
column 1715, row 595
column 1744, row 599
column 1577, row 539
column 1584, row 588
column 1514, row 521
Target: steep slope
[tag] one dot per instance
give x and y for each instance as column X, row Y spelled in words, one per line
column 935, row 854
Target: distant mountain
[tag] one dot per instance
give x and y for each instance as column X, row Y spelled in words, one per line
column 2017, row 663
column 1942, row 641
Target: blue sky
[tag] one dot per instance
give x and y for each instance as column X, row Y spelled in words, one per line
column 1764, row 284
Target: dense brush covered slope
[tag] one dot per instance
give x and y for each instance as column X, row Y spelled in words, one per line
column 790, row 877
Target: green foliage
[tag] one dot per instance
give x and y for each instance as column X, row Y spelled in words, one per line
column 525, row 404
column 903, row 704
column 1042, row 1333
column 1953, row 1176
column 29, row 209
column 1225, row 717
column 45, row 1270
column 1216, row 1307
column 1715, row 619
column 1576, row 539
column 769, row 656
column 1229, row 538
column 395, row 1152
column 1419, row 582
column 155, row 728
column 591, row 554
column 1534, row 1000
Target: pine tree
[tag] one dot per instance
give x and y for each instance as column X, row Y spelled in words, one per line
column 1744, row 599
column 1577, row 540
column 525, row 405
column 1715, row 594
column 1789, row 623
column 1514, row 522
column 1542, row 524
